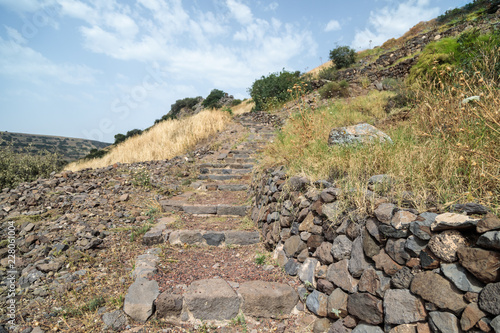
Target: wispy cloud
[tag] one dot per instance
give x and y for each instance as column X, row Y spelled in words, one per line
column 22, row 63
column 388, row 22
column 332, row 25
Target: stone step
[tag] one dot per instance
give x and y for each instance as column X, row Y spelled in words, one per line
column 195, row 237
column 225, row 171
column 221, row 209
column 219, row 177
column 226, row 165
column 240, row 160
column 226, row 187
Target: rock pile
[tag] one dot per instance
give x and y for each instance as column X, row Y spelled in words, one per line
column 394, row 270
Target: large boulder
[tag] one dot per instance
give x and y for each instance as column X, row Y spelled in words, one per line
column 361, row 133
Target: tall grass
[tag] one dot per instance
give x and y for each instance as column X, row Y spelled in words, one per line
column 446, row 152
column 165, row 140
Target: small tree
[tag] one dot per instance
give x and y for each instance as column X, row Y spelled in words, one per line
column 133, row 132
column 119, row 138
column 212, row 100
column 343, row 56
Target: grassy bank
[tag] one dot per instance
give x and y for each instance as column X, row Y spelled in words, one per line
column 163, row 141
column 444, row 152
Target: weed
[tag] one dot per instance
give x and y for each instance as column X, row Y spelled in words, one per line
column 260, row 259
column 139, row 231
column 329, row 73
column 227, row 109
column 240, row 320
column 141, row 177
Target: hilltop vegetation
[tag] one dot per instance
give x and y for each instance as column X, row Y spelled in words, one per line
column 69, row 149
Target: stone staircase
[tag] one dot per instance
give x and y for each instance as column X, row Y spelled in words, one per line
column 220, row 191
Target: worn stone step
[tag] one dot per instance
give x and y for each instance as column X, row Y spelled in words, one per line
column 227, row 165
column 240, row 160
column 225, row 171
column 221, row 209
column 219, row 177
column 195, row 237
column 225, row 187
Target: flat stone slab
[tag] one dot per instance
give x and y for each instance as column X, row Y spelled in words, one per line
column 267, row 299
column 212, row 299
column 200, row 209
column 236, row 237
column 181, row 237
column 139, row 299
column 232, row 187
column 232, row 210
column 219, row 177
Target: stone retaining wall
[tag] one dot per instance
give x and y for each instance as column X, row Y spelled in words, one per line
column 395, row 269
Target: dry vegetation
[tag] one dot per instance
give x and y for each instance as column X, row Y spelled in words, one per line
column 446, row 151
column 165, row 140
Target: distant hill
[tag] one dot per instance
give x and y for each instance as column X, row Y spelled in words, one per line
column 70, row 148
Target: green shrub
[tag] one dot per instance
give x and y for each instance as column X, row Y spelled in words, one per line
column 273, row 89
column 236, row 102
column 343, row 56
column 95, row 153
column 16, row 168
column 329, row 73
column 213, row 99
column 334, row 89
column 119, row 138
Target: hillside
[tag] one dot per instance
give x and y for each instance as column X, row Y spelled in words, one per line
column 70, row 148
column 359, row 199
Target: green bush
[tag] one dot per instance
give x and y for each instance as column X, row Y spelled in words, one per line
column 236, row 102
column 213, row 99
column 466, row 52
column 334, row 89
column 16, row 168
column 228, row 110
column 273, row 89
column 343, row 56
column 119, row 138
column 329, row 73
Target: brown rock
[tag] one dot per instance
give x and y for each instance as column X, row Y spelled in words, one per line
column 384, row 262
column 168, row 305
column 484, row 325
column 366, row 307
column 369, row 281
column 423, row 328
column 487, row 223
column 405, row 328
column 471, row 316
column 338, row 274
column 401, row 307
column 323, row 253
column 436, row 289
column 455, row 221
column 384, row 212
column 307, row 224
column 482, row 264
column 325, row 286
column 402, row 219
column 446, row 244
column 337, row 304
column 370, row 246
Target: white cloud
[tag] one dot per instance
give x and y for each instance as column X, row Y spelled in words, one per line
column 241, row 12
column 272, row 6
column 386, row 23
column 25, row 5
column 23, row 63
column 332, row 25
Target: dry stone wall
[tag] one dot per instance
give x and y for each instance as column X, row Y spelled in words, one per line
column 393, row 270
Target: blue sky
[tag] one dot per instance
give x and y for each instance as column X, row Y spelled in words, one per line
column 95, row 68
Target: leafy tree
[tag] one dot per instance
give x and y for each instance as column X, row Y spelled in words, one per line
column 133, row 132
column 119, row 138
column 273, row 88
column 343, row 56
column 212, row 100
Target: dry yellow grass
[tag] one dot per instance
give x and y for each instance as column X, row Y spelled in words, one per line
column 243, row 107
column 315, row 71
column 163, row 141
